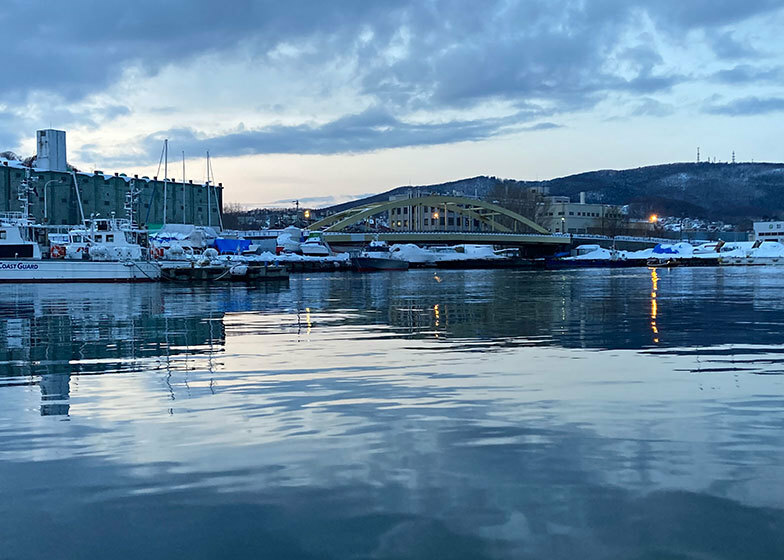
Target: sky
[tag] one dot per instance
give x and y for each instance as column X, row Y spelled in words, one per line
column 325, row 101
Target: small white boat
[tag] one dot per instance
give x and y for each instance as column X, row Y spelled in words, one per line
column 314, row 246
column 460, row 255
column 761, row 253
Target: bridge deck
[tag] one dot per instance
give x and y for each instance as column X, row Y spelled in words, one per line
column 448, row 237
column 493, row 238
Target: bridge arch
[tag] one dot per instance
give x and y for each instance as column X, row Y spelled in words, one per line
column 476, row 209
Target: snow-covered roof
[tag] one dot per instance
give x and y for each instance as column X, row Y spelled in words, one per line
column 12, row 163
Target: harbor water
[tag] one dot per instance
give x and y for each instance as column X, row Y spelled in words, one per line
column 629, row 413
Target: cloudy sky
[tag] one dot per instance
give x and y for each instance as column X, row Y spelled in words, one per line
column 319, row 100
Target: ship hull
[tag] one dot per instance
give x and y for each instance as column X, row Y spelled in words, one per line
column 22, row 271
column 369, row 264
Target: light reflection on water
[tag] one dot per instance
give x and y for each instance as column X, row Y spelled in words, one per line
column 477, row 414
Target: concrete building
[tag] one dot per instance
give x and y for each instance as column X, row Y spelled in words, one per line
column 560, row 215
column 769, row 231
column 51, row 154
column 58, row 196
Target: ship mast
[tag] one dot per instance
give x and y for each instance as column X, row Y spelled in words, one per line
column 183, row 186
column 165, row 177
column 209, row 204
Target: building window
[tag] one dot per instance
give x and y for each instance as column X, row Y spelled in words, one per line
column 110, row 238
column 3, row 234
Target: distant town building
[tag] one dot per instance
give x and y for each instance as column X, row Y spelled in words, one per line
column 560, row 215
column 769, row 231
column 54, row 197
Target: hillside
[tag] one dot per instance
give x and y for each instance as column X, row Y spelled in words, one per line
column 731, row 192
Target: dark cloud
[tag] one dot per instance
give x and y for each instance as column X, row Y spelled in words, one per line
column 455, row 51
column 546, row 57
column 727, row 47
column 748, row 106
column 674, row 14
column 541, row 126
column 745, row 73
column 650, row 107
column 370, row 130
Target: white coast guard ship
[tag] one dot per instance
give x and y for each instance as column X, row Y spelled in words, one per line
column 101, row 250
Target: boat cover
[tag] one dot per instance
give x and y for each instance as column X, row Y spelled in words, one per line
column 232, row 245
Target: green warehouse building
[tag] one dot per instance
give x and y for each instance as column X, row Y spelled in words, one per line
column 58, row 195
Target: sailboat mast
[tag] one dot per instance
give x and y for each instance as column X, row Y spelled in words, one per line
column 217, row 202
column 165, row 178
column 209, row 206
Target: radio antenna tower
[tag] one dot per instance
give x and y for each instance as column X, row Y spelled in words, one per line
column 733, row 156
column 698, row 154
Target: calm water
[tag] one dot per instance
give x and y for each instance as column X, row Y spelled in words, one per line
column 478, row 414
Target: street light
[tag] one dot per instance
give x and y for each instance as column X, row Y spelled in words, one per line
column 307, row 214
column 46, row 206
column 563, row 224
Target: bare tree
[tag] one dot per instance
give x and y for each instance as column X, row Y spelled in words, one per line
column 232, row 214
column 612, row 222
column 528, row 202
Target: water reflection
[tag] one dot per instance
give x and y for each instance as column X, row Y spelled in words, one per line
column 478, row 414
column 52, row 332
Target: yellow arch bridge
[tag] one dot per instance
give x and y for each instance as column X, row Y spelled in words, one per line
column 472, row 221
column 479, row 215
column 488, row 223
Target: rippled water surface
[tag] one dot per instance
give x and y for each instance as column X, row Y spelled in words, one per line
column 478, row 414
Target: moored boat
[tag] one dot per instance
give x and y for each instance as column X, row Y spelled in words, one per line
column 314, row 246
column 377, row 257
column 99, row 251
